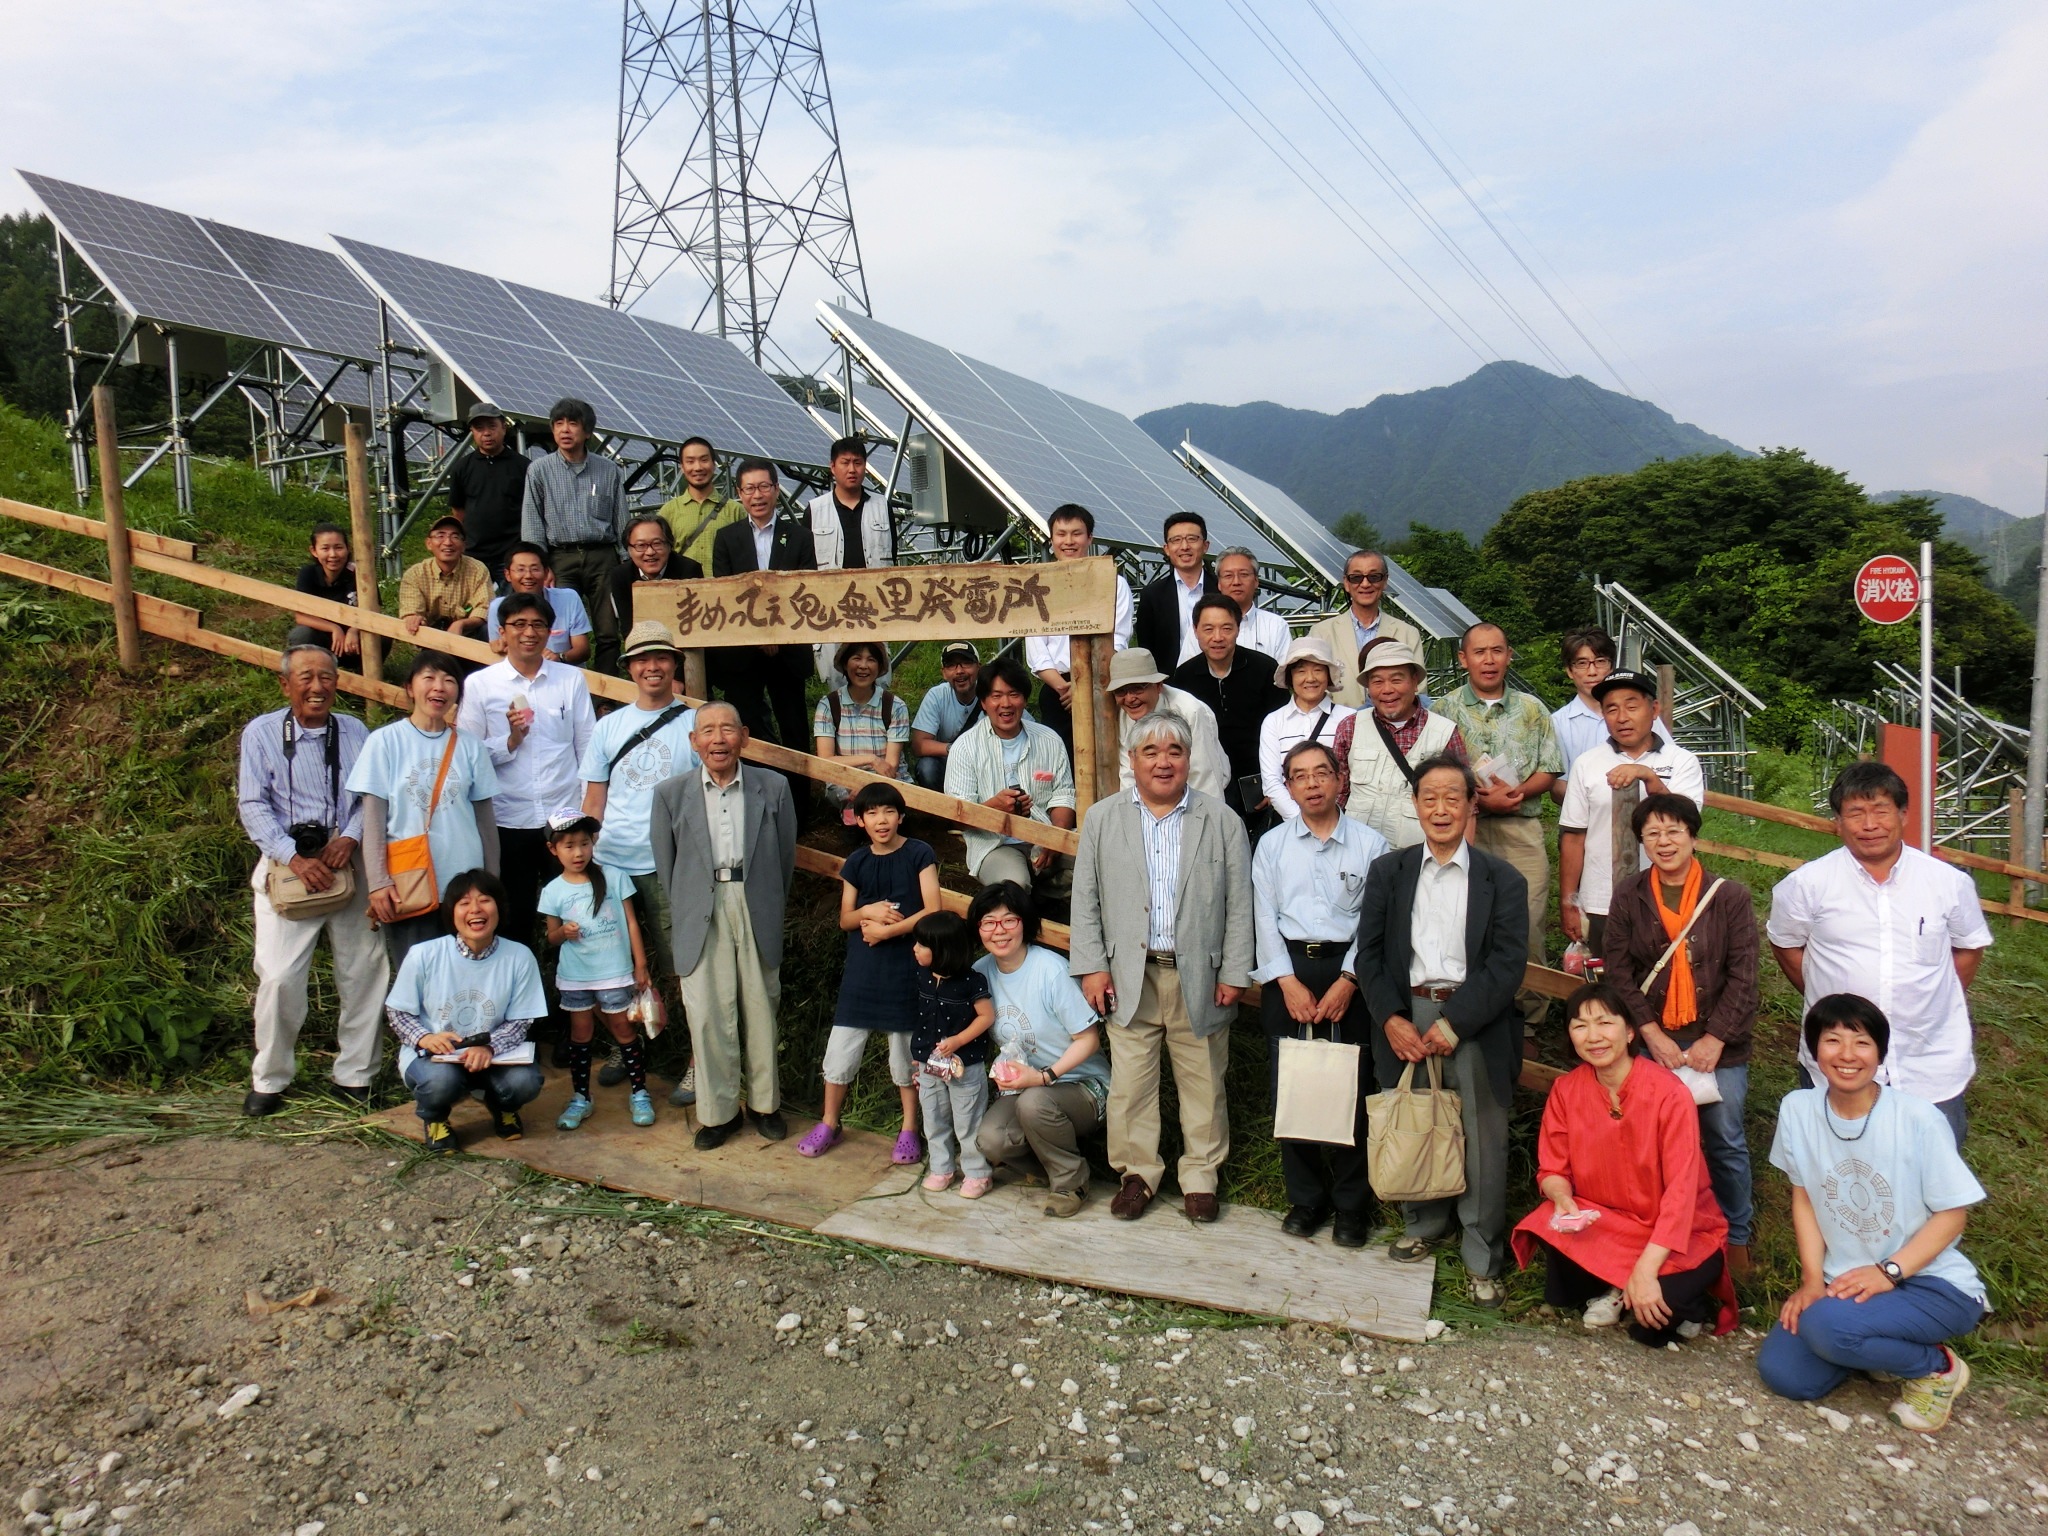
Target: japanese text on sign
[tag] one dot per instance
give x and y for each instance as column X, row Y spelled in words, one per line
column 1887, row 590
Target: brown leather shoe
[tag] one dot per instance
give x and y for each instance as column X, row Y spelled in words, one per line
column 1200, row 1207
column 1738, row 1261
column 1131, row 1200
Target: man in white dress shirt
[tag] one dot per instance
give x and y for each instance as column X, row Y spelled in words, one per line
column 1046, row 657
column 1237, row 577
column 1892, row 924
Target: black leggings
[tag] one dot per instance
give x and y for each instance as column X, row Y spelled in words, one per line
column 1689, row 1294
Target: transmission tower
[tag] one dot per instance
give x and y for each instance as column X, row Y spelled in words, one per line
column 729, row 167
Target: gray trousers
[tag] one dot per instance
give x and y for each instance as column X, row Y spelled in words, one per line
column 953, row 1110
column 1482, row 1211
column 1042, row 1125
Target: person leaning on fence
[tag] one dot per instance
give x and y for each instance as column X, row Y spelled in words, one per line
column 461, row 1007
column 1880, row 1198
column 447, row 590
column 1308, row 885
column 649, row 557
column 1049, row 658
column 329, row 574
column 1885, row 921
column 487, row 489
column 1363, row 621
column 1693, row 1002
column 1631, row 1227
column 527, row 571
column 426, row 791
column 1162, row 945
column 1139, row 690
column 1441, row 937
column 1010, row 763
column 946, row 711
column 861, row 723
column 575, row 509
column 1384, row 745
column 724, row 837
column 1053, row 1084
column 308, row 827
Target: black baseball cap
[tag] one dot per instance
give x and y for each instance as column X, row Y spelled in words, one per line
column 1643, row 683
column 483, row 410
column 959, row 650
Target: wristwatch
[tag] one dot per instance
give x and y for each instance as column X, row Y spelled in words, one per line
column 1051, row 1076
column 1891, row 1272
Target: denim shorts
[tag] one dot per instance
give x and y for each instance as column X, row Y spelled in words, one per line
column 604, row 999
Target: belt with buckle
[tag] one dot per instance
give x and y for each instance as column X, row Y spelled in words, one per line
column 1434, row 993
column 729, row 876
column 1319, row 949
column 1163, row 957
column 587, row 544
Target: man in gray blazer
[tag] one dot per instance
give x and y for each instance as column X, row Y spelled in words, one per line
column 724, row 840
column 1162, row 945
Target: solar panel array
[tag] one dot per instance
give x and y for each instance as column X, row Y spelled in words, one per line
column 200, row 275
column 524, row 349
column 1436, row 611
column 1038, row 446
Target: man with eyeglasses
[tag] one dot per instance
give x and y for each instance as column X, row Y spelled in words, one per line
column 650, row 556
column 1165, row 620
column 1363, row 621
column 1589, row 655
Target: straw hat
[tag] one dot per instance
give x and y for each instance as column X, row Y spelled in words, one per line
column 1390, row 653
column 1130, row 667
column 1305, row 648
column 647, row 636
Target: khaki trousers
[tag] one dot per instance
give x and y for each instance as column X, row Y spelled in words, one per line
column 1519, row 840
column 1161, row 1027
column 732, row 1000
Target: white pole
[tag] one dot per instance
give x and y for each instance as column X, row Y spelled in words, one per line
column 2037, row 716
column 1927, row 697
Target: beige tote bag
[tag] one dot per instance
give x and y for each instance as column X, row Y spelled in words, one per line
column 1318, row 1095
column 1416, row 1142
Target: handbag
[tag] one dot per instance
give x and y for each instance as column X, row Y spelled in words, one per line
column 1317, row 1098
column 290, row 897
column 1701, row 1085
column 410, row 860
column 1415, row 1146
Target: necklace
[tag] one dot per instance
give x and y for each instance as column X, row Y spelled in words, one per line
column 1828, row 1115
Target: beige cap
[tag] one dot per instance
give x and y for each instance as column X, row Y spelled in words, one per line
column 1127, row 668
column 1390, row 653
column 647, row 635
column 1304, row 648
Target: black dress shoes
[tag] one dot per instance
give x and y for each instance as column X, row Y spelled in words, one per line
column 1353, row 1230
column 771, row 1125
column 711, row 1137
column 1305, row 1220
column 257, row 1105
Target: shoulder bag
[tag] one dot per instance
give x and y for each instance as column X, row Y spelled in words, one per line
column 288, row 894
column 1415, row 1140
column 415, row 890
column 1701, row 1085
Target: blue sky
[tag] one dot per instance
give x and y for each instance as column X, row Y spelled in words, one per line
column 1821, row 225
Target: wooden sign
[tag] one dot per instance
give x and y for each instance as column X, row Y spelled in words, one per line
column 887, row 603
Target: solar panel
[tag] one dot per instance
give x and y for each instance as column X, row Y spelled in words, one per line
column 1039, row 447
column 200, row 275
column 523, row 349
column 1439, row 614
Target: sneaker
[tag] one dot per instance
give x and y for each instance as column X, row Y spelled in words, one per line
column 1486, row 1291
column 819, row 1139
column 685, row 1092
column 1064, row 1202
column 908, row 1149
column 1603, row 1311
column 507, row 1124
column 574, row 1113
column 932, row 1181
column 1926, row 1403
column 611, row 1074
column 974, row 1189
column 643, row 1107
column 440, row 1136
column 1690, row 1330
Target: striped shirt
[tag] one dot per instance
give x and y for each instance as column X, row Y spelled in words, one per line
column 1162, row 868
column 580, row 503
column 275, row 790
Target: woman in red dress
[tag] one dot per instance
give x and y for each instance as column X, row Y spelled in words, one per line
column 1630, row 1224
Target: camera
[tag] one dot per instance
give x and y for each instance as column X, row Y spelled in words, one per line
column 309, row 838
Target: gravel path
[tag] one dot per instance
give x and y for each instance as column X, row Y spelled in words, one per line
column 508, row 1353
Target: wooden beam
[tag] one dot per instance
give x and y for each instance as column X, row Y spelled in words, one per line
column 1081, row 669
column 93, row 528
column 1961, row 858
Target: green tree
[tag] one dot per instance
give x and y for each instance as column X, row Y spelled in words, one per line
column 1356, row 529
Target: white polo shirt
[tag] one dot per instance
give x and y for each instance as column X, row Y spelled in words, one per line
column 1892, row 942
column 1589, row 807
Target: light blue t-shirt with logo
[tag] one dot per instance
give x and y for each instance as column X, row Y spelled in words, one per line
column 1875, row 1181
column 398, row 765
column 629, row 788
column 1042, row 1008
column 603, row 956
column 454, row 992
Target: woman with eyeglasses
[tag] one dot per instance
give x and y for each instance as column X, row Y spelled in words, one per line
column 1050, row 1074
column 650, row 556
column 1363, row 621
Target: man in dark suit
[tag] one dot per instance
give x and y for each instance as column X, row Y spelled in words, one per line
column 1237, row 685
column 1165, row 622
column 1441, row 937
column 724, row 840
column 765, row 682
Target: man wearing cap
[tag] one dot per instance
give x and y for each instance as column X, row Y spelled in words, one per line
column 1140, row 689
column 1363, row 621
column 945, row 712
column 1072, row 531
column 447, row 590
column 1309, row 714
column 696, row 513
column 1516, row 758
column 1605, row 784
column 1010, row 763
column 1237, row 578
column 575, row 508
column 1381, row 745
column 1237, row 685
column 633, row 752
column 1164, row 622
column 487, row 488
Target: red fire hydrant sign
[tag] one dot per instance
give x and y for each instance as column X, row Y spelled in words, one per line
column 1887, row 590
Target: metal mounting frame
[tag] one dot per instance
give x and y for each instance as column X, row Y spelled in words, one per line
column 1710, row 710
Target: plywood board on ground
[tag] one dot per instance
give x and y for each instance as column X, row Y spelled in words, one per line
column 747, row 1176
column 1243, row 1263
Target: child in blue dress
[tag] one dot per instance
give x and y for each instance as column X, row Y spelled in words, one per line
column 954, row 1012
column 603, row 961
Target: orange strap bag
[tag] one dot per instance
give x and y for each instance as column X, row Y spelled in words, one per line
column 410, row 860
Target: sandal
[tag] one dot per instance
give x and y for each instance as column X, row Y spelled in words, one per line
column 820, row 1139
column 909, row 1148
column 1409, row 1250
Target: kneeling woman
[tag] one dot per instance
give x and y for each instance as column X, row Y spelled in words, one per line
column 1879, row 1200
column 461, row 1007
column 1632, row 1225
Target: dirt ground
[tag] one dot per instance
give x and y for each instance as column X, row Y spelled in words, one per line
column 501, row 1352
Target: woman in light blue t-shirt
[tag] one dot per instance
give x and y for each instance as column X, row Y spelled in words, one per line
column 1880, row 1196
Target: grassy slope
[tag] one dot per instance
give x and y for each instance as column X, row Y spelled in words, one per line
column 125, row 957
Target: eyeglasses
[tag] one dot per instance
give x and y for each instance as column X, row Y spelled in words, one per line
column 540, row 624
column 1364, row 578
column 1312, row 776
column 1001, row 922
column 646, row 546
column 1185, row 540
column 1589, row 664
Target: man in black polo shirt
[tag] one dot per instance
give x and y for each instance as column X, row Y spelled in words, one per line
column 486, row 490
column 1236, row 683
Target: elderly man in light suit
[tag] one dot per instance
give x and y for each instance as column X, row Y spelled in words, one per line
column 724, row 839
column 1162, row 945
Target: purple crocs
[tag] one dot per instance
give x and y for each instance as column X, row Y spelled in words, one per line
column 820, row 1140
column 909, row 1149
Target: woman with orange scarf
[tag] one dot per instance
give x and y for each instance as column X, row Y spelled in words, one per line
column 1696, row 1009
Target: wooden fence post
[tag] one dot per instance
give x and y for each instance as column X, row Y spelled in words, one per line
column 1108, row 728
column 363, row 534
column 696, row 676
column 1667, row 687
column 1081, row 669
column 120, row 561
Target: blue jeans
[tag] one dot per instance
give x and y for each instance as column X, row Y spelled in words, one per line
column 1954, row 1111
column 1727, row 1149
column 930, row 771
column 438, row 1086
column 1898, row 1332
